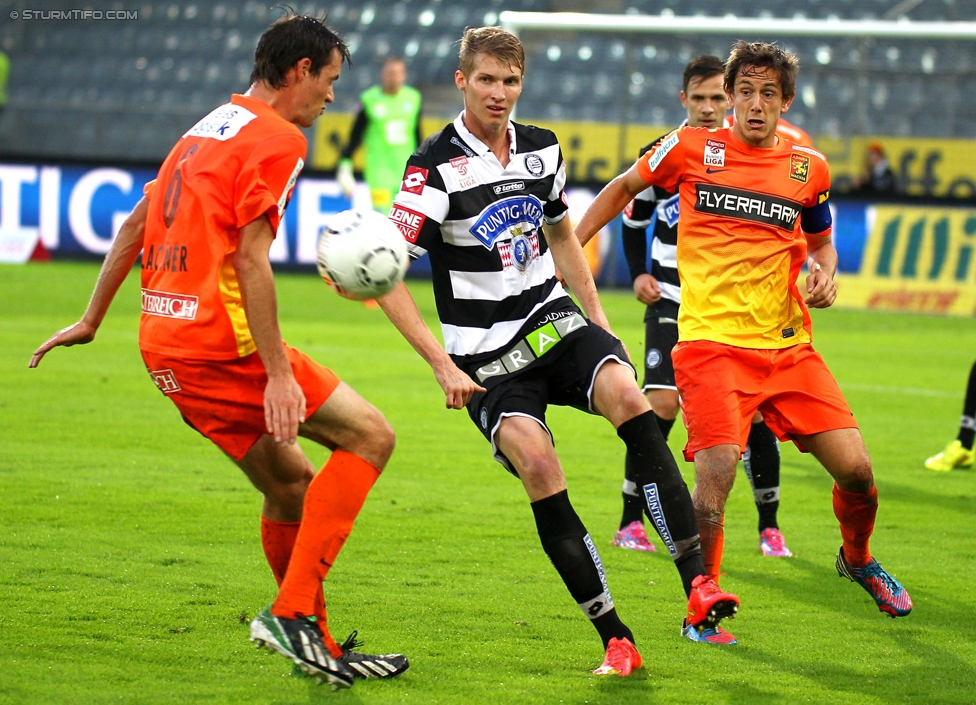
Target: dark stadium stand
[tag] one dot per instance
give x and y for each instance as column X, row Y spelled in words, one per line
column 128, row 89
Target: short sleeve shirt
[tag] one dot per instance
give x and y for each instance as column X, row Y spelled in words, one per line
column 740, row 245
column 237, row 164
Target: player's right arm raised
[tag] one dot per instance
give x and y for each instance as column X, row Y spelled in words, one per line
column 116, row 267
column 403, row 313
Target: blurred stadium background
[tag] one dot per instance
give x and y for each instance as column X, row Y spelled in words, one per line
column 114, row 95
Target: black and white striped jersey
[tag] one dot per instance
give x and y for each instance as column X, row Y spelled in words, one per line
column 654, row 204
column 493, row 274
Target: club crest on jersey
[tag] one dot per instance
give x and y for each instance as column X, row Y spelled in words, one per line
column 714, row 153
column 799, row 167
column 462, row 173
column 414, row 180
column 669, row 210
column 534, row 164
column 520, row 251
column 519, row 214
column 653, row 358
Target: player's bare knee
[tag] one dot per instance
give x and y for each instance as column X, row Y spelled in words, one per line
column 858, row 476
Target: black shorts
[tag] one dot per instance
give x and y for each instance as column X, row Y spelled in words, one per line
column 660, row 336
column 563, row 377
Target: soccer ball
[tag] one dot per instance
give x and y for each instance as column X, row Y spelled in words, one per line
column 361, row 254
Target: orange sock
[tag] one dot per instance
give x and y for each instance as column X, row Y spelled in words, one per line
column 278, row 539
column 711, row 531
column 856, row 512
column 332, row 502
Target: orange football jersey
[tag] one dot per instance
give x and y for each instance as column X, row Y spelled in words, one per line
column 740, row 246
column 237, row 164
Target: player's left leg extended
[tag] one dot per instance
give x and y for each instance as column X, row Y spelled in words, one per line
column 527, row 445
column 668, row 503
column 843, row 454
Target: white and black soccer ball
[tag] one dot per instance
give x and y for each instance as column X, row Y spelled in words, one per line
column 361, row 254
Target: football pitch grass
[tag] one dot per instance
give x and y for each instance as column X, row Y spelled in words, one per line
column 131, row 564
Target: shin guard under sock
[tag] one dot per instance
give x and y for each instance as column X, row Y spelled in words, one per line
column 332, row 502
column 761, row 461
column 278, row 541
column 856, row 512
column 573, row 554
column 665, row 494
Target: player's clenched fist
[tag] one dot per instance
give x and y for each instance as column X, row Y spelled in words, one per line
column 821, row 287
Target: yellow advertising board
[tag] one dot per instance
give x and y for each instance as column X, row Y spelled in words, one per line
column 596, row 152
column 915, row 259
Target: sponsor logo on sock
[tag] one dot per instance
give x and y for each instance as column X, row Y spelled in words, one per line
column 657, row 516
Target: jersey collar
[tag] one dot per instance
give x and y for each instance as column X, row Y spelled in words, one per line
column 479, row 147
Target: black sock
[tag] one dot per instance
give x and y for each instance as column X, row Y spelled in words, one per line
column 633, row 503
column 761, row 461
column 665, row 425
column 569, row 547
column 666, row 496
column 967, row 424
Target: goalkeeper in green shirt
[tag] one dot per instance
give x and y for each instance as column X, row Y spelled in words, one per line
column 388, row 125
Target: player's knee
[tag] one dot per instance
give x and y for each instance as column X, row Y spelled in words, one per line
column 715, row 468
column 628, row 402
column 664, row 403
column 858, row 476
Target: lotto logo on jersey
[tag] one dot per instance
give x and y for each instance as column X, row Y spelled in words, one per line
column 714, row 153
column 799, row 167
column 823, row 196
column 408, row 221
column 167, row 305
column 414, row 180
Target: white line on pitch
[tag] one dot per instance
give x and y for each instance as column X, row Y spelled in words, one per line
column 910, row 391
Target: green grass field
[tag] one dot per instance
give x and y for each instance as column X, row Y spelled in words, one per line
column 130, row 559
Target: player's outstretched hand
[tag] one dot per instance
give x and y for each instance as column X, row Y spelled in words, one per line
column 646, row 289
column 458, row 387
column 284, row 408
column 80, row 333
column 821, row 287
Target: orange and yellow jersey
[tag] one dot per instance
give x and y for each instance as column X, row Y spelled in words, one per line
column 740, row 245
column 237, row 164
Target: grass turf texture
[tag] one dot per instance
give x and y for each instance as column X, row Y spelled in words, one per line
column 131, row 559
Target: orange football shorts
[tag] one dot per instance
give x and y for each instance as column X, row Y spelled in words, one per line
column 722, row 386
column 224, row 399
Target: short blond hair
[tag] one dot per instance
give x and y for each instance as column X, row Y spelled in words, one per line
column 493, row 41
